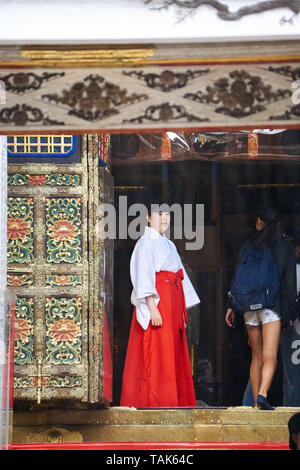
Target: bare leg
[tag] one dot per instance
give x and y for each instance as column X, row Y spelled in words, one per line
column 270, row 335
column 255, row 342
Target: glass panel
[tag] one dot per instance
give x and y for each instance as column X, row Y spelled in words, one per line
column 106, row 287
column 7, row 310
column 231, row 174
column 6, row 320
column 225, row 173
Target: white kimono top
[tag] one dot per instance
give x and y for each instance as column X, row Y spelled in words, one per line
column 153, row 253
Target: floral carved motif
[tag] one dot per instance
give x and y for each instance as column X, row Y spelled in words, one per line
column 23, row 331
column 53, row 381
column 43, row 180
column 165, row 112
column 238, row 95
column 64, row 280
column 21, row 115
column 23, row 82
column 19, row 280
column 63, row 335
column 94, row 98
column 20, row 230
column 292, row 113
column 63, row 222
column 167, row 80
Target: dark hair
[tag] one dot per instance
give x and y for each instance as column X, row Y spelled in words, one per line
column 150, row 203
column 265, row 238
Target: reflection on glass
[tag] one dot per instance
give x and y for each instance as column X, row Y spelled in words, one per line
column 6, row 367
column 230, row 173
column 226, row 173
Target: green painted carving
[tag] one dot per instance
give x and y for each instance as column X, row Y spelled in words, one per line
column 56, row 179
column 63, row 230
column 23, row 331
column 63, row 330
column 20, row 230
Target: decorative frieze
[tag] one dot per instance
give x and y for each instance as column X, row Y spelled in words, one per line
column 154, row 97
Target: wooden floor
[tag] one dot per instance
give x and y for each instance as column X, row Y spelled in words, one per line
column 129, row 425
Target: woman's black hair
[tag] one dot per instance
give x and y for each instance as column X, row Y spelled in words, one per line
column 153, row 202
column 265, row 238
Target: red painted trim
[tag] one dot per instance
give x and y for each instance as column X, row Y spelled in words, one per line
column 153, row 446
column 159, row 130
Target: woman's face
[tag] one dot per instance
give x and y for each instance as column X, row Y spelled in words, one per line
column 160, row 221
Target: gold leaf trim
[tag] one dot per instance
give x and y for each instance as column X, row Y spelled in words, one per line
column 86, row 57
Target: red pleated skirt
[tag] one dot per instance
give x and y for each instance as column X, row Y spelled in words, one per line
column 157, row 370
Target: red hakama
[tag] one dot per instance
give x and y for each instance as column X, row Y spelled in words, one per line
column 157, row 370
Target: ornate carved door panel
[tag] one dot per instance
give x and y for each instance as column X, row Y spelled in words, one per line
column 52, row 266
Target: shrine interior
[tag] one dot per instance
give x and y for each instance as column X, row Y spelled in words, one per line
column 83, row 284
column 219, row 171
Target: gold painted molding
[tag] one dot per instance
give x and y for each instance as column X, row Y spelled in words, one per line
column 62, row 56
column 82, row 57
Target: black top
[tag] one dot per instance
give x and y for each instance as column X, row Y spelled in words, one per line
column 284, row 256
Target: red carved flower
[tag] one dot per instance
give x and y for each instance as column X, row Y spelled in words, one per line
column 64, row 330
column 34, row 381
column 21, row 330
column 17, row 229
column 15, row 281
column 63, row 230
column 63, row 280
column 36, row 180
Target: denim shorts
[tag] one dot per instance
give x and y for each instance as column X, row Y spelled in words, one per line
column 260, row 317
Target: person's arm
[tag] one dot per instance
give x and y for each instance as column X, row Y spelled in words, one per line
column 229, row 317
column 155, row 315
column 143, row 275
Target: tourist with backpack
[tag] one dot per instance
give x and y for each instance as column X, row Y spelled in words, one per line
column 264, row 290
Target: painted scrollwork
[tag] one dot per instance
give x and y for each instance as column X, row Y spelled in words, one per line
column 292, row 113
column 43, row 180
column 22, row 115
column 24, row 82
column 63, row 331
column 165, row 112
column 239, row 94
column 24, row 324
column 20, row 231
column 94, row 98
column 287, row 71
column 63, row 222
column 168, row 80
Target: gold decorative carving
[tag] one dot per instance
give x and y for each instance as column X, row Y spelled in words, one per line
column 110, row 56
column 47, row 381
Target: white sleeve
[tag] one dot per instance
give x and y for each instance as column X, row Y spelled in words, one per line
column 191, row 297
column 143, row 278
